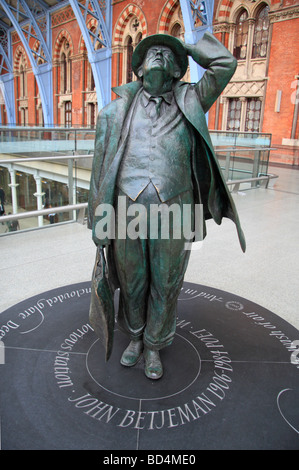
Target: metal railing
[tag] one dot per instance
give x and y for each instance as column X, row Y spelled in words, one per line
column 42, row 140
column 243, row 158
column 38, row 168
column 262, row 180
column 249, row 168
column 41, row 159
column 69, row 208
column 230, row 146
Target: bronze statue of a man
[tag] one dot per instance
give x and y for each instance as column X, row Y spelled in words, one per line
column 153, row 147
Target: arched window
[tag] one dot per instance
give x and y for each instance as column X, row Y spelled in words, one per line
column 241, row 36
column 128, row 36
column 138, row 38
column 65, row 68
column 21, row 87
column 129, row 76
column 261, row 33
column 22, row 81
column 176, row 30
column 92, row 82
column 63, row 73
column 253, row 115
column 68, row 114
column 234, row 115
column 92, row 111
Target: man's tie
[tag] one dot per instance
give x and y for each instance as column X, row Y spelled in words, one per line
column 156, row 102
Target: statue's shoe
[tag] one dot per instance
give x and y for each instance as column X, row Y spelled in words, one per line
column 132, row 353
column 153, row 366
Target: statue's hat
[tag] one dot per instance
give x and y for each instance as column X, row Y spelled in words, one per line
column 173, row 43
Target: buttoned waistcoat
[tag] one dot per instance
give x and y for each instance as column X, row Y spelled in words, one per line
column 158, row 149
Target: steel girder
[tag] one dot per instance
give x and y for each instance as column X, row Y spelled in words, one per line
column 193, row 10
column 27, row 17
column 24, row 18
column 6, row 80
column 7, row 90
column 98, row 44
column 5, row 62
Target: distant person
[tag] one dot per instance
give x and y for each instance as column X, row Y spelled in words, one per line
column 52, row 216
column 2, row 201
column 13, row 225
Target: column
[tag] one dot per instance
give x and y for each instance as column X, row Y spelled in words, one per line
column 13, row 185
column 39, row 196
column 72, row 185
column 251, row 23
column 295, row 100
column 231, row 37
column 243, row 100
column 225, row 102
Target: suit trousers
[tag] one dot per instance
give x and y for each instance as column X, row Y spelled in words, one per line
column 151, row 268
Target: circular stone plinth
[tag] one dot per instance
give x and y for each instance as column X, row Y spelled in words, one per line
column 231, row 378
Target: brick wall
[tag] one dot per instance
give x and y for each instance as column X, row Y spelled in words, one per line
column 283, row 67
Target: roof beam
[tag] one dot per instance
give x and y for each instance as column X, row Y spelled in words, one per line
column 42, row 71
column 24, row 13
column 92, row 8
column 5, row 63
column 6, row 78
column 193, row 10
column 7, row 89
column 4, row 50
column 98, row 44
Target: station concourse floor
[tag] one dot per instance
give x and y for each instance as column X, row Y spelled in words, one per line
column 36, row 261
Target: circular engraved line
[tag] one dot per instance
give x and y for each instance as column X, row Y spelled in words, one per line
column 146, row 399
column 52, row 351
column 278, row 397
column 37, row 326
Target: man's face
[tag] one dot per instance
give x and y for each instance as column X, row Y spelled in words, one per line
column 160, row 58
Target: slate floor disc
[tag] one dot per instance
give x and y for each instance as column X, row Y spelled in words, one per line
column 231, row 378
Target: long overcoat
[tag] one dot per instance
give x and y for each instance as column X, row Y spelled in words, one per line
column 113, row 125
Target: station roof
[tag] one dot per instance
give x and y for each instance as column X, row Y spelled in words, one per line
column 36, row 6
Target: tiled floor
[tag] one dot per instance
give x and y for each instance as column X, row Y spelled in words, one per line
column 36, row 261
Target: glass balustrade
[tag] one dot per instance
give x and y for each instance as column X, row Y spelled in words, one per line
column 242, row 155
column 44, row 168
